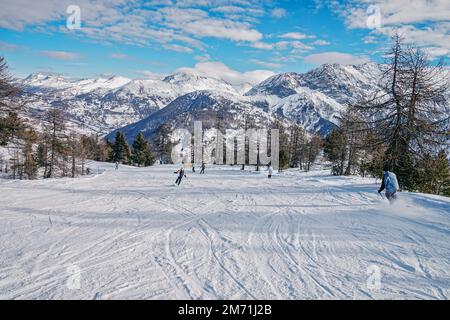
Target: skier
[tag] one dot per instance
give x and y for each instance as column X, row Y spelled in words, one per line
column 117, row 165
column 203, row 168
column 181, row 174
column 270, row 169
column 389, row 183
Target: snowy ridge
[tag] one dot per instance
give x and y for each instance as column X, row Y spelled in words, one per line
column 313, row 99
column 210, row 107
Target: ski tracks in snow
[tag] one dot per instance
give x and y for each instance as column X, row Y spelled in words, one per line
column 228, row 234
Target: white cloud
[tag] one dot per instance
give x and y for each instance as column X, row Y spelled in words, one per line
column 128, row 22
column 178, row 48
column 149, row 74
column 435, row 40
column 278, row 13
column 335, row 57
column 219, row 70
column 6, row 46
column 61, row 55
column 296, row 36
column 223, row 30
column 233, row 10
column 422, row 22
column 261, row 45
column 369, row 39
column 280, row 45
column 396, row 12
column 16, row 14
column 203, row 58
column 265, row 64
column 320, row 42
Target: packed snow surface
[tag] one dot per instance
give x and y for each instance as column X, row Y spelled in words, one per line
column 227, row 234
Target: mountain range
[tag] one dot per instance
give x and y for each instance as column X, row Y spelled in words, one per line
column 314, row 99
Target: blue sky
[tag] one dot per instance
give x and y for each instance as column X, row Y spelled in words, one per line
column 223, row 38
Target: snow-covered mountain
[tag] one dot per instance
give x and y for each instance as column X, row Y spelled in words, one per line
column 314, row 99
column 340, row 82
column 210, row 107
column 104, row 104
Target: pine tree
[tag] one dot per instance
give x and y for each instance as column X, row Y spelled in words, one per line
column 335, row 150
column 283, row 160
column 163, row 143
column 439, row 174
column 121, row 150
column 141, row 152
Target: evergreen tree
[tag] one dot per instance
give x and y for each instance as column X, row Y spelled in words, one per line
column 335, row 150
column 163, row 143
column 441, row 176
column 141, row 151
column 283, row 160
column 121, row 150
column 434, row 173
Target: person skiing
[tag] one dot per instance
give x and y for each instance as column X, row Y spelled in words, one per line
column 203, row 168
column 389, row 183
column 181, row 174
column 270, row 169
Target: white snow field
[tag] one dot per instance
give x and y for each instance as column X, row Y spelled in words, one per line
column 228, row 234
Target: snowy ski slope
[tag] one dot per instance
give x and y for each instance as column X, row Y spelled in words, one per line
column 227, row 234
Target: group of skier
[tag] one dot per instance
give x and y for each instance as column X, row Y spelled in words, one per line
column 202, row 171
column 182, row 174
column 388, row 183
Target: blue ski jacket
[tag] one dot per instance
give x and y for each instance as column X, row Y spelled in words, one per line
column 389, row 182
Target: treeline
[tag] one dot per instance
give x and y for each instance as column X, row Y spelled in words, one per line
column 298, row 149
column 140, row 154
column 404, row 125
column 49, row 153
